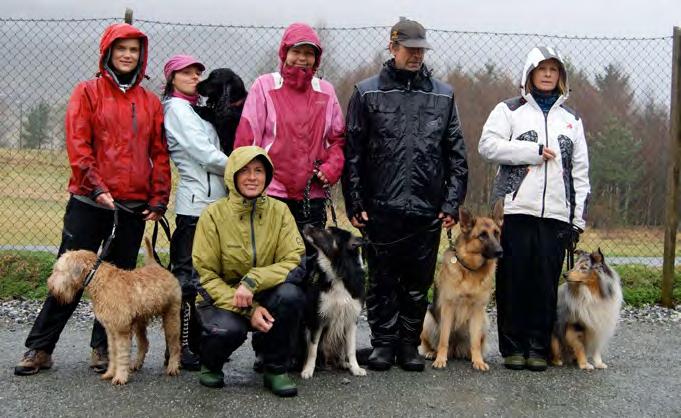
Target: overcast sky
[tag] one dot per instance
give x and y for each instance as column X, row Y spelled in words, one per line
column 626, row 18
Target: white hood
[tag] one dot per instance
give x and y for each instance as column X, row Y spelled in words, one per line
column 537, row 55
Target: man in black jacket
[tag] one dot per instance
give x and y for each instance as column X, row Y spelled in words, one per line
column 405, row 176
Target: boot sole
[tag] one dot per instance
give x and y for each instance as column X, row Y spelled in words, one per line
column 215, row 385
column 379, row 367
column 23, row 371
column 536, row 368
column 515, row 366
column 413, row 367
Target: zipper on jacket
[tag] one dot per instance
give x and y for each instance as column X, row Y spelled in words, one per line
column 134, row 119
column 255, row 255
column 208, row 177
column 546, row 168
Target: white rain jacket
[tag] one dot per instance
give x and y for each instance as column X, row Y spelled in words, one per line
column 514, row 137
column 195, row 149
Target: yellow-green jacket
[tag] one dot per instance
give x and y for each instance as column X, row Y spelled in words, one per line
column 239, row 241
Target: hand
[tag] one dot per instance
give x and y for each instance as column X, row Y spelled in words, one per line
column 105, row 199
column 548, row 154
column 261, row 319
column 448, row 220
column 243, row 298
column 150, row 215
column 320, row 175
column 360, row 220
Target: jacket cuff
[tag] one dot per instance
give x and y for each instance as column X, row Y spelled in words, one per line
column 541, row 149
column 249, row 283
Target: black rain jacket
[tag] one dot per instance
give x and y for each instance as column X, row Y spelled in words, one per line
column 404, row 154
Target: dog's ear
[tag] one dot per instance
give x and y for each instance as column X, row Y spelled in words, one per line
column 466, row 220
column 597, row 256
column 498, row 212
column 355, row 242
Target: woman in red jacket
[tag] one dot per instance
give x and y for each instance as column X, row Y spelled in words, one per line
column 117, row 155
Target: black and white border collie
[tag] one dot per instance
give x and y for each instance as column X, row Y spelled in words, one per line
column 334, row 299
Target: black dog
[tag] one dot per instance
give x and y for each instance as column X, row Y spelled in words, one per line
column 334, row 299
column 226, row 95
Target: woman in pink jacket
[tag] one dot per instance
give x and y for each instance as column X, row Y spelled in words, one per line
column 296, row 117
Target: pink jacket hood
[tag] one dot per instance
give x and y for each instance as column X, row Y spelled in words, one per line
column 299, row 33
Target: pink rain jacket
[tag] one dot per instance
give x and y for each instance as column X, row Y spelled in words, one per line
column 296, row 125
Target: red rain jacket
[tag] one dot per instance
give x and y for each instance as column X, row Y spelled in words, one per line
column 114, row 138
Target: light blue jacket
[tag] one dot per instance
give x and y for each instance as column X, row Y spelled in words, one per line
column 195, row 150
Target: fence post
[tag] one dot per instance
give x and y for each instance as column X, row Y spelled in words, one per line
column 672, row 205
column 128, row 16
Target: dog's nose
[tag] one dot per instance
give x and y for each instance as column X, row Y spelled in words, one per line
column 499, row 253
column 565, row 275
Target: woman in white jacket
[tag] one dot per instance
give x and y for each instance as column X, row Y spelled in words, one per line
column 195, row 150
column 543, row 179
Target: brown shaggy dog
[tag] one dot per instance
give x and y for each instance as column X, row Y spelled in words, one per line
column 456, row 322
column 124, row 301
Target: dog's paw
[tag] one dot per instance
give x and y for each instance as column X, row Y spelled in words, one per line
column 440, row 363
column 307, row 372
column 136, row 366
column 586, row 366
column 172, row 371
column 480, row 365
column 107, row 376
column 358, row 371
column 600, row 365
column 119, row 380
column 556, row 362
column 429, row 355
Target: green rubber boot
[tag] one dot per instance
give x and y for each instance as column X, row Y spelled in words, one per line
column 280, row 384
column 514, row 362
column 536, row 364
column 211, row 379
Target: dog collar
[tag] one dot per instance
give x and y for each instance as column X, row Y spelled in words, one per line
column 91, row 273
column 456, row 259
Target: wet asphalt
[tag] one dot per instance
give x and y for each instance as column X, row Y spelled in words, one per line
column 643, row 379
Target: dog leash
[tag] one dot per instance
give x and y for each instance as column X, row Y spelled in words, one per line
column 165, row 225
column 328, row 202
column 107, row 244
column 428, row 228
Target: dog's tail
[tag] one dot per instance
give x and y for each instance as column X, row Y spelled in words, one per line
column 149, row 254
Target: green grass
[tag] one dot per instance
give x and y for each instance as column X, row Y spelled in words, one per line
column 23, row 275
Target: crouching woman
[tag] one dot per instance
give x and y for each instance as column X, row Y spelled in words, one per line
column 245, row 246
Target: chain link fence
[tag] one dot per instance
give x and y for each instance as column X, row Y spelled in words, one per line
column 621, row 87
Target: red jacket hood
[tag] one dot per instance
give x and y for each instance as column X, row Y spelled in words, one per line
column 123, row 31
column 297, row 33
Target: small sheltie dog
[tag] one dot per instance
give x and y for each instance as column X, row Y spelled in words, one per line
column 588, row 309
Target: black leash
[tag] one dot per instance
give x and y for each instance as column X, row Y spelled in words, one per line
column 431, row 227
column 105, row 248
column 163, row 221
column 327, row 195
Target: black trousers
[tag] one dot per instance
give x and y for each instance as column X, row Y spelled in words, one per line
column 181, row 245
column 224, row 331
column 86, row 227
column 527, row 283
column 400, row 275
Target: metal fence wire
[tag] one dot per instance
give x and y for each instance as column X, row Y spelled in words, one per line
column 620, row 86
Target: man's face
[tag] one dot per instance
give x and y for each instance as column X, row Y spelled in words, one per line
column 125, row 54
column 410, row 59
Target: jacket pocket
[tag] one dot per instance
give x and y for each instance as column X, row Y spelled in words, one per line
column 430, row 123
column 386, row 120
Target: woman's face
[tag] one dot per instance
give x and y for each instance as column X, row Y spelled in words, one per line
column 125, row 54
column 186, row 79
column 250, row 179
column 301, row 56
column 545, row 76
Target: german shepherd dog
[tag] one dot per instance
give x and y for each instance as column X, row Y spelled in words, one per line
column 334, row 299
column 456, row 322
column 589, row 305
column 225, row 93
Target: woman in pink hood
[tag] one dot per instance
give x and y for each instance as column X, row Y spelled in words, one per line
column 296, row 117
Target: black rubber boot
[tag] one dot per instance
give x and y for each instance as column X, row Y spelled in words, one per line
column 188, row 359
column 409, row 359
column 381, row 359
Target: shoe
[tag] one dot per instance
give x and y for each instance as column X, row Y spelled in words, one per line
column 188, row 360
column 381, row 359
column 33, row 362
column 258, row 364
column 536, row 364
column 514, row 362
column 99, row 359
column 280, row 384
column 211, row 379
column 409, row 359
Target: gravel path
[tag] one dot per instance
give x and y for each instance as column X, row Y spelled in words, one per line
column 643, row 379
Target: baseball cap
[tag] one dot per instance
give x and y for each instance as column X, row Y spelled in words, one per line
column 409, row 33
column 179, row 62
